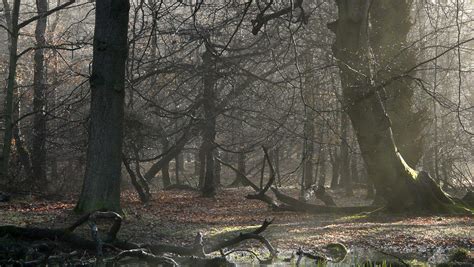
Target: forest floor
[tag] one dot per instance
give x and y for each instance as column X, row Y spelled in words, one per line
column 176, row 216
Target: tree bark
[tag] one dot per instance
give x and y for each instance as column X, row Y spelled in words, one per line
column 11, row 81
column 390, row 25
column 354, row 169
column 308, row 145
column 165, row 170
column 335, row 162
column 322, row 162
column 241, row 167
column 38, row 152
column 401, row 186
column 169, row 155
column 209, row 124
column 345, row 161
column 178, row 167
column 217, row 169
column 101, row 187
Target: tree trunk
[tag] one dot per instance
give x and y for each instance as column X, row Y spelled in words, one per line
column 165, row 170
column 101, row 188
column 217, row 169
column 209, row 124
column 165, row 175
column 345, row 165
column 202, row 164
column 354, row 169
column 24, row 156
column 197, row 164
column 390, row 25
column 38, row 152
column 322, row 167
column 335, row 161
column 277, row 165
column 239, row 179
column 8, row 109
column 308, row 145
column 178, row 167
column 171, row 153
column 401, row 186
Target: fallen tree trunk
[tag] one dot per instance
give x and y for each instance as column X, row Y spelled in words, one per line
column 153, row 253
column 291, row 204
column 311, row 208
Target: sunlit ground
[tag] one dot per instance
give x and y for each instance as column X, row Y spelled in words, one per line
column 176, row 216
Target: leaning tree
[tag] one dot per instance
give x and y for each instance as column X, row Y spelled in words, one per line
column 402, row 187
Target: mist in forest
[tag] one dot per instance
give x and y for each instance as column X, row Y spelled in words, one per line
column 212, row 133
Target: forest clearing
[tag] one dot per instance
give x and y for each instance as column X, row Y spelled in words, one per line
column 237, row 133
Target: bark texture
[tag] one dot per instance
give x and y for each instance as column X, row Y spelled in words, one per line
column 101, row 188
column 390, row 25
column 12, row 22
column 38, row 152
column 209, row 124
column 402, row 187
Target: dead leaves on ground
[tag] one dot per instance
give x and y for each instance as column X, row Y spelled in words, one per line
column 175, row 216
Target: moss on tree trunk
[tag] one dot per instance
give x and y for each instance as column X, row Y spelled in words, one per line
column 404, row 189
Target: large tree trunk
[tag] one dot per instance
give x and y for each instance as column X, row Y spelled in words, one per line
column 101, row 188
column 402, row 187
column 38, row 152
column 209, row 124
column 390, row 25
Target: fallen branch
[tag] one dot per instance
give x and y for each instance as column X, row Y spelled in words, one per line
column 246, row 236
column 141, row 254
column 149, row 253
